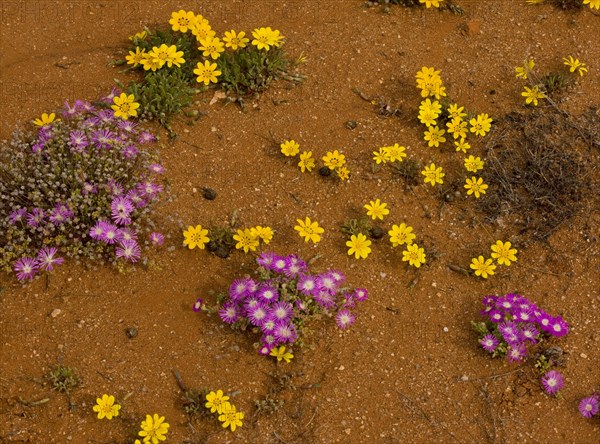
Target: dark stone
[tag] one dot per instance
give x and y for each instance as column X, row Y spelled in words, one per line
column 131, row 332
column 324, row 171
column 209, row 193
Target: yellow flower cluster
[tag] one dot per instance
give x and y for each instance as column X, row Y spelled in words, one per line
column 403, row 235
column 248, row 239
column 392, row 153
column 227, row 413
column 155, row 59
column 501, row 251
column 334, row 160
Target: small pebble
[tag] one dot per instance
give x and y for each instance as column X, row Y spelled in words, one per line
column 376, row 233
column 131, row 332
column 324, row 171
column 209, row 193
column 351, row 124
column 55, row 312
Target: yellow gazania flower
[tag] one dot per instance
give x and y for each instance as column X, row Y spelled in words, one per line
column 400, row 235
column 433, row 175
column 532, row 95
column 594, row 4
column 230, row 417
column 154, row 429
column 473, row 164
column 456, row 112
column 306, row 161
column 211, row 47
column 333, row 160
column 290, row 148
column 281, row 354
column 430, row 3
column 139, row 35
column 245, row 240
column 482, row 125
column 343, row 173
column 125, row 106
column 396, row 152
column 502, row 252
column 275, row 38
column 182, row 21
column 46, row 119
column 135, row 58
column 414, row 255
column 475, row 186
column 575, row 64
column 215, row 401
column 309, row 230
column 483, row 267
column 151, row 63
column 206, row 72
column 174, row 57
column 523, row 71
column 434, row 106
column 462, row 145
column 195, row 237
column 428, row 117
column 106, row 407
column 359, row 246
column 458, row 128
column 263, row 233
column 381, row 156
column 434, row 136
column 235, row 41
column 202, row 31
column 376, row 209
column 262, row 38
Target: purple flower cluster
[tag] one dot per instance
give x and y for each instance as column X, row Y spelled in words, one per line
column 276, row 304
column 82, row 184
column 517, row 323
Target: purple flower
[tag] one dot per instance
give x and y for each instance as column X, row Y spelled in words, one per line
column 111, row 95
column 504, row 303
column 149, row 189
column 130, row 151
column 111, row 233
column 516, row 352
column 344, row 319
column 361, row 294
column 103, row 138
column 530, row 333
column 545, row 320
column 198, row 305
column 136, row 198
column 129, row 250
column 588, row 407
column 78, row 141
column 60, row 213
column 84, row 106
column 282, row 311
column 523, row 315
column 349, row 301
column 324, row 299
column 17, row 215
column 266, row 260
column 265, row 350
column 26, row 268
column 307, row 284
column 45, row 134
column 127, row 125
column 230, row 312
column 114, row 187
column 489, row 300
column 239, row 289
column 337, row 276
column 106, row 116
column 97, row 231
column 156, row 238
column 294, row 266
column 121, row 208
column 89, row 188
column 489, row 342
column 267, row 293
column 37, row 147
column 36, row 217
column 553, row 382
column 558, row 327
column 128, row 234
column 327, row 283
column 300, row 305
column 279, row 264
column 508, row 328
column 269, row 324
column 269, row 340
column 146, row 137
column 285, row 332
column 156, row 168
column 46, row 259
column 70, row 111
column 257, row 314
column 496, row 316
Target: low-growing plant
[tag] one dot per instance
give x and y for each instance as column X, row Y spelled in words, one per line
column 63, row 379
column 81, row 186
column 278, row 305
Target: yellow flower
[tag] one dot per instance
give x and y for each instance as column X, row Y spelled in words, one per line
column 154, row 429
column 174, row 57
column 262, row 38
column 182, row 21
column 502, row 252
column 483, row 267
column 215, row 401
column 309, row 230
column 235, row 41
column 139, row 35
column 306, row 161
column 428, row 74
column 245, row 240
column 290, row 148
column 202, row 30
column 263, row 233
column 195, row 237
column 456, row 112
column 430, row 3
column 230, row 417
column 523, row 71
column 207, row 73
column 281, row 354
column 434, row 106
column 400, row 235
column 430, row 83
column 433, row 175
column 594, row 4
column 535, row 2
column 428, row 117
column 376, row 209
column 463, row 145
column 434, row 136
column 211, row 47
column 160, row 53
column 359, row 246
column 575, row 64
column 125, row 106
column 414, row 255
column 151, row 63
column 396, row 152
column 46, row 119
column 381, row 156
column 532, row 95
column 343, row 173
column 482, row 125
column 475, row 186
column 106, row 407
column 473, row 164
column 275, row 38
column 135, row 58
column 458, row 128
column 333, row 160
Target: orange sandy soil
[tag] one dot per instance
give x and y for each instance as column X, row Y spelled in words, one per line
column 410, row 373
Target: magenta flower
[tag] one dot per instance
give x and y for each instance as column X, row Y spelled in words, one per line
column 111, row 233
column 361, row 294
column 121, row 208
column 307, row 284
column 552, row 382
column 136, row 198
column 285, row 332
column 230, row 312
column 588, row 407
column 558, row 327
column 198, row 305
column 129, row 250
column 149, row 189
column 70, row 111
column 489, row 342
column 128, row 234
column 496, row 316
column 282, row 311
column 266, row 260
column 327, row 283
column 130, row 151
column 17, row 215
column 294, row 266
column 257, row 314
column 325, row 299
column 530, row 333
column 269, row 324
column 26, row 268
column 279, row 264
column 97, row 231
column 157, row 239
column 111, row 95
column 103, row 138
column 46, row 258
column 127, row 125
column 89, row 188
column 267, row 293
column 344, row 319
column 114, row 187
column 156, row 168
column 36, row 217
column 78, row 141
column 146, row 137
column 239, row 289
column 516, row 352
